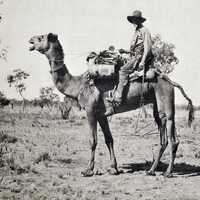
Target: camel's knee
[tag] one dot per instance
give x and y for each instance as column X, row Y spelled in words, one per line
column 93, row 144
column 171, row 129
column 162, row 117
column 163, row 144
column 109, row 140
column 175, row 147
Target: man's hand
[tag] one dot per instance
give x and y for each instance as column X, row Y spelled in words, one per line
column 123, row 51
column 91, row 74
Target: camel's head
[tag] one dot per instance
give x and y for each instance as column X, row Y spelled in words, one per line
column 42, row 43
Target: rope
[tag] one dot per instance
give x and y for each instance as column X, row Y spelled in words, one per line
column 141, row 103
column 78, row 54
column 137, row 122
column 142, row 93
column 176, row 136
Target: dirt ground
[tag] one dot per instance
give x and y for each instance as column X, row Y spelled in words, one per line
column 42, row 157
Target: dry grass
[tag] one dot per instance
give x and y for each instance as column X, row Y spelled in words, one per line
column 44, row 155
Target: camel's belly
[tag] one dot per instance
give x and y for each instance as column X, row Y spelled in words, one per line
column 136, row 90
column 132, row 100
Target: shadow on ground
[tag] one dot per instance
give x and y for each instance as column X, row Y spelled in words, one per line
column 179, row 168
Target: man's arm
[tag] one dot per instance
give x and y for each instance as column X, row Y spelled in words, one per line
column 123, row 51
column 147, row 46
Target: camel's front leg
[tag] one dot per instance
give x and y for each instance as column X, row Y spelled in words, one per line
column 93, row 143
column 103, row 122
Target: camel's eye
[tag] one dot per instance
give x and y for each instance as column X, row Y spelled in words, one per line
column 39, row 39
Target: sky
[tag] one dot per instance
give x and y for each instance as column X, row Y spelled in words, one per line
column 92, row 25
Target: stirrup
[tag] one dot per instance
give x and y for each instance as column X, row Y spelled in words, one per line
column 113, row 101
column 109, row 99
column 110, row 111
column 112, row 107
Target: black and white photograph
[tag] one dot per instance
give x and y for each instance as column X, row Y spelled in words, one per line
column 99, row 100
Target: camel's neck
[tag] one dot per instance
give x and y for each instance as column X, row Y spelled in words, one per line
column 63, row 80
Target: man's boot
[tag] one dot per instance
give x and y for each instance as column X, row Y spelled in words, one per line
column 110, row 110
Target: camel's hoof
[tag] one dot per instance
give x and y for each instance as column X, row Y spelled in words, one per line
column 113, row 171
column 98, row 173
column 87, row 173
column 150, row 173
column 168, row 175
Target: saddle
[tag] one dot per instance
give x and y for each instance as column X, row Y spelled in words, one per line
column 104, row 66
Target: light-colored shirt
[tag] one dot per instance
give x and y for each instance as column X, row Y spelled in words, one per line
column 141, row 43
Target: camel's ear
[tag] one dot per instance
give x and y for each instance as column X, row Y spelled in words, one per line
column 52, row 37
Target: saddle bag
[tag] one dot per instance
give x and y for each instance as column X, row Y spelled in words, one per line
column 101, row 71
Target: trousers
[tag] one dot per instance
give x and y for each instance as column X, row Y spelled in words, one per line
column 124, row 72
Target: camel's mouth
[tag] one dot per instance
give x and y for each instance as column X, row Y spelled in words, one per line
column 32, row 47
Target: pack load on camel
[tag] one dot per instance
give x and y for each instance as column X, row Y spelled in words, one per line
column 107, row 63
column 102, row 64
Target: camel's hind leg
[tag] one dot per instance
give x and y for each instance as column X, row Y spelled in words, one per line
column 103, row 122
column 166, row 106
column 160, row 119
column 171, row 134
column 92, row 121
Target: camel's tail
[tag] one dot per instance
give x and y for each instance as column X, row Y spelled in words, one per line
column 190, row 105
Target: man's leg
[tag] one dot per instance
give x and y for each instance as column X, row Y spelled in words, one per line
column 123, row 81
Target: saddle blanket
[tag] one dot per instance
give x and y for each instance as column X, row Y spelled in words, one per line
column 101, row 70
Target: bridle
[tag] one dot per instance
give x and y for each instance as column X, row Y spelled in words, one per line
column 56, row 68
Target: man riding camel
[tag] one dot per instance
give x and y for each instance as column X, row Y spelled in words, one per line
column 140, row 58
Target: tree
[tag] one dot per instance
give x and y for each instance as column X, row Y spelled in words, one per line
column 3, row 100
column 48, row 97
column 17, row 79
column 165, row 59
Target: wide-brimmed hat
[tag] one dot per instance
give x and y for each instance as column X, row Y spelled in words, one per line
column 136, row 17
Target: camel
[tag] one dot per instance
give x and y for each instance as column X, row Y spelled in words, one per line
column 159, row 92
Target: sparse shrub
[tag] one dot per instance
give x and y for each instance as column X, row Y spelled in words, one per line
column 17, row 79
column 197, row 155
column 6, row 138
column 64, row 160
column 42, row 157
column 65, row 110
column 3, row 150
column 48, row 97
column 3, row 100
